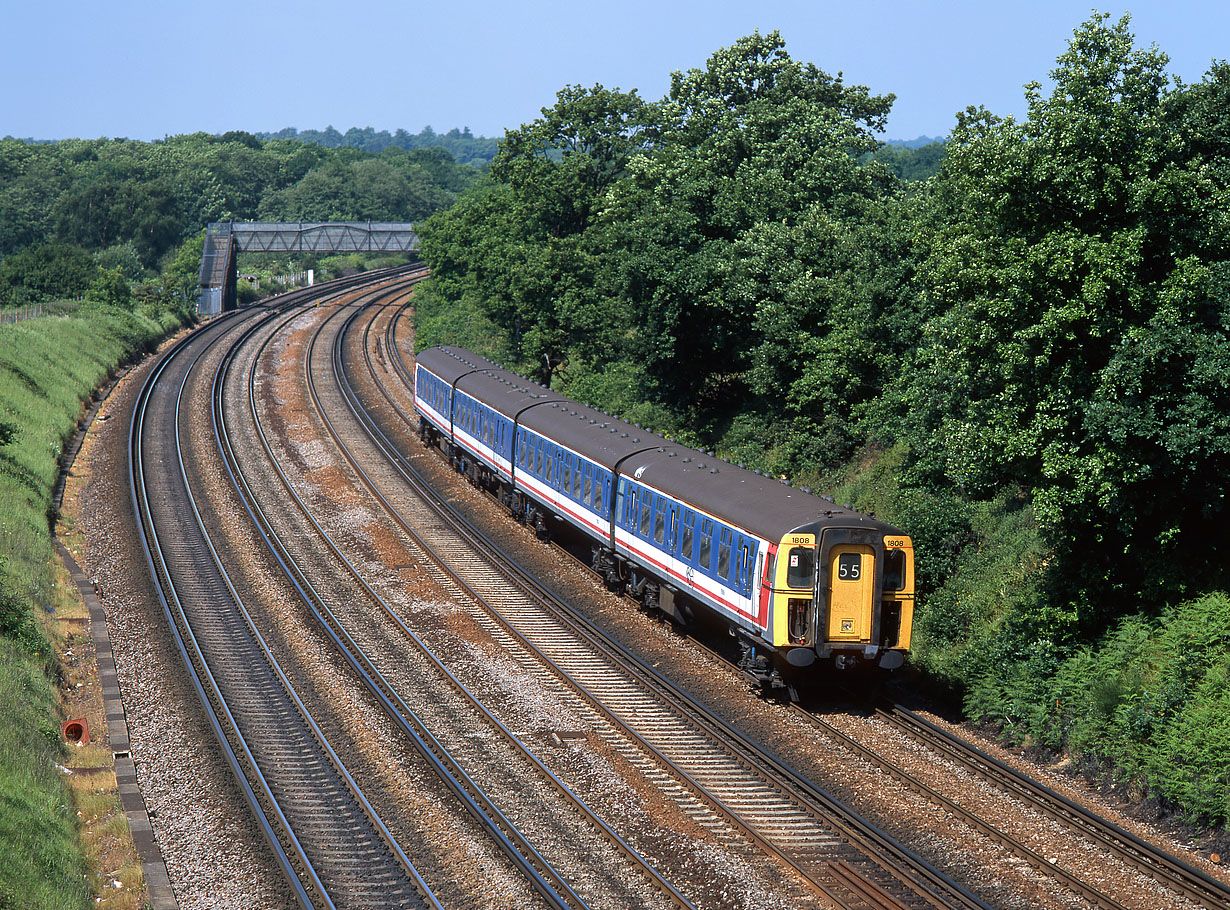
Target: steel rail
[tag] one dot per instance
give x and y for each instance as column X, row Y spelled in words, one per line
column 196, row 666
column 209, row 690
column 229, row 461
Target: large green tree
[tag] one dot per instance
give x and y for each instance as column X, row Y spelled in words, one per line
column 1075, row 266
column 754, row 164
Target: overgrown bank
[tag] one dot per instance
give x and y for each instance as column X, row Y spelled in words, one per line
column 1021, row 360
column 48, row 368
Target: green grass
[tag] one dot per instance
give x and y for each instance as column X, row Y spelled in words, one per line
column 48, row 367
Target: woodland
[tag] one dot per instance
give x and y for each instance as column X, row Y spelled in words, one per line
column 1017, row 350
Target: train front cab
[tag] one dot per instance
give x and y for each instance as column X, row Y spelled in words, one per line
column 845, row 595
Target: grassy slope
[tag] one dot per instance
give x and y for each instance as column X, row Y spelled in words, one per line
column 48, row 367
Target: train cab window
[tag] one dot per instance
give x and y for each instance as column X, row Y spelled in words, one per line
column 894, row 570
column 659, row 523
column 801, row 568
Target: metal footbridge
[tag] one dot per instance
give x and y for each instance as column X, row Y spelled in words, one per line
column 225, row 240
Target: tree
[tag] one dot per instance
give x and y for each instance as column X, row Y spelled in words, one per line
column 1077, row 347
column 744, row 153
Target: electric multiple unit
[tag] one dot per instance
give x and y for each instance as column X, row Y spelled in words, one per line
column 796, row 577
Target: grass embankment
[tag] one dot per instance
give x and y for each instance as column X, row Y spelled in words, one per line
column 48, row 368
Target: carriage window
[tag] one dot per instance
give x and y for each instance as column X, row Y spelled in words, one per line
column 550, row 465
column 568, row 472
column 576, row 481
column 724, row 559
column 706, row 544
column 801, row 569
column 646, row 515
column 659, row 523
column 589, row 485
column 685, row 546
column 598, row 485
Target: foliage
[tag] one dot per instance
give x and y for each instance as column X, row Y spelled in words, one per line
column 1149, row 702
column 912, row 163
column 1077, row 344
column 48, row 367
column 46, row 271
column 120, row 196
column 462, row 145
column 40, row 865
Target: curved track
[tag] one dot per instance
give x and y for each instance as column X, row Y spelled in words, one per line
column 328, row 839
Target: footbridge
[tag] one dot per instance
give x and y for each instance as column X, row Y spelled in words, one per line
column 225, row 240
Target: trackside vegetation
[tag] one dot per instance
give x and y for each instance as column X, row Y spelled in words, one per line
column 48, row 367
column 1016, row 347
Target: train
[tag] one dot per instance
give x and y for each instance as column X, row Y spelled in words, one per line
column 798, row 580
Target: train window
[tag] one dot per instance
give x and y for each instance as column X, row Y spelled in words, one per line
column 599, row 485
column 850, row 566
column 659, row 523
column 801, row 569
column 589, row 483
column 567, row 472
column 550, row 465
column 706, row 544
column 685, row 546
column 724, row 558
column 744, row 565
column 576, row 481
column 894, row 570
column 646, row 516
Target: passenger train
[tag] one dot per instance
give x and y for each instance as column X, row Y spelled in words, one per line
column 797, row 579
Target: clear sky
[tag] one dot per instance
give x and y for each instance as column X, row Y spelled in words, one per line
column 145, row 69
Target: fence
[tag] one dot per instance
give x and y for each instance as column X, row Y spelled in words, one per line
column 34, row 310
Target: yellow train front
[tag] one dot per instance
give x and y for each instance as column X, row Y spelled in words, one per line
column 842, row 593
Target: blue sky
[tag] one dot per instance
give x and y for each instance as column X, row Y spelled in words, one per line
column 145, row 69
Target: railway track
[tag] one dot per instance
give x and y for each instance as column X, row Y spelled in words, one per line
column 327, row 837
column 716, row 774
column 347, row 637
column 1179, row 877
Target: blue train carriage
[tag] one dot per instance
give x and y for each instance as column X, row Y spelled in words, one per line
column 567, row 458
column 467, row 407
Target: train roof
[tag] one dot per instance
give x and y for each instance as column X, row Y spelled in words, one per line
column 450, row 362
column 754, row 502
column 506, row 392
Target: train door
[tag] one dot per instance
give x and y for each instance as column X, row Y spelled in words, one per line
column 851, row 574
